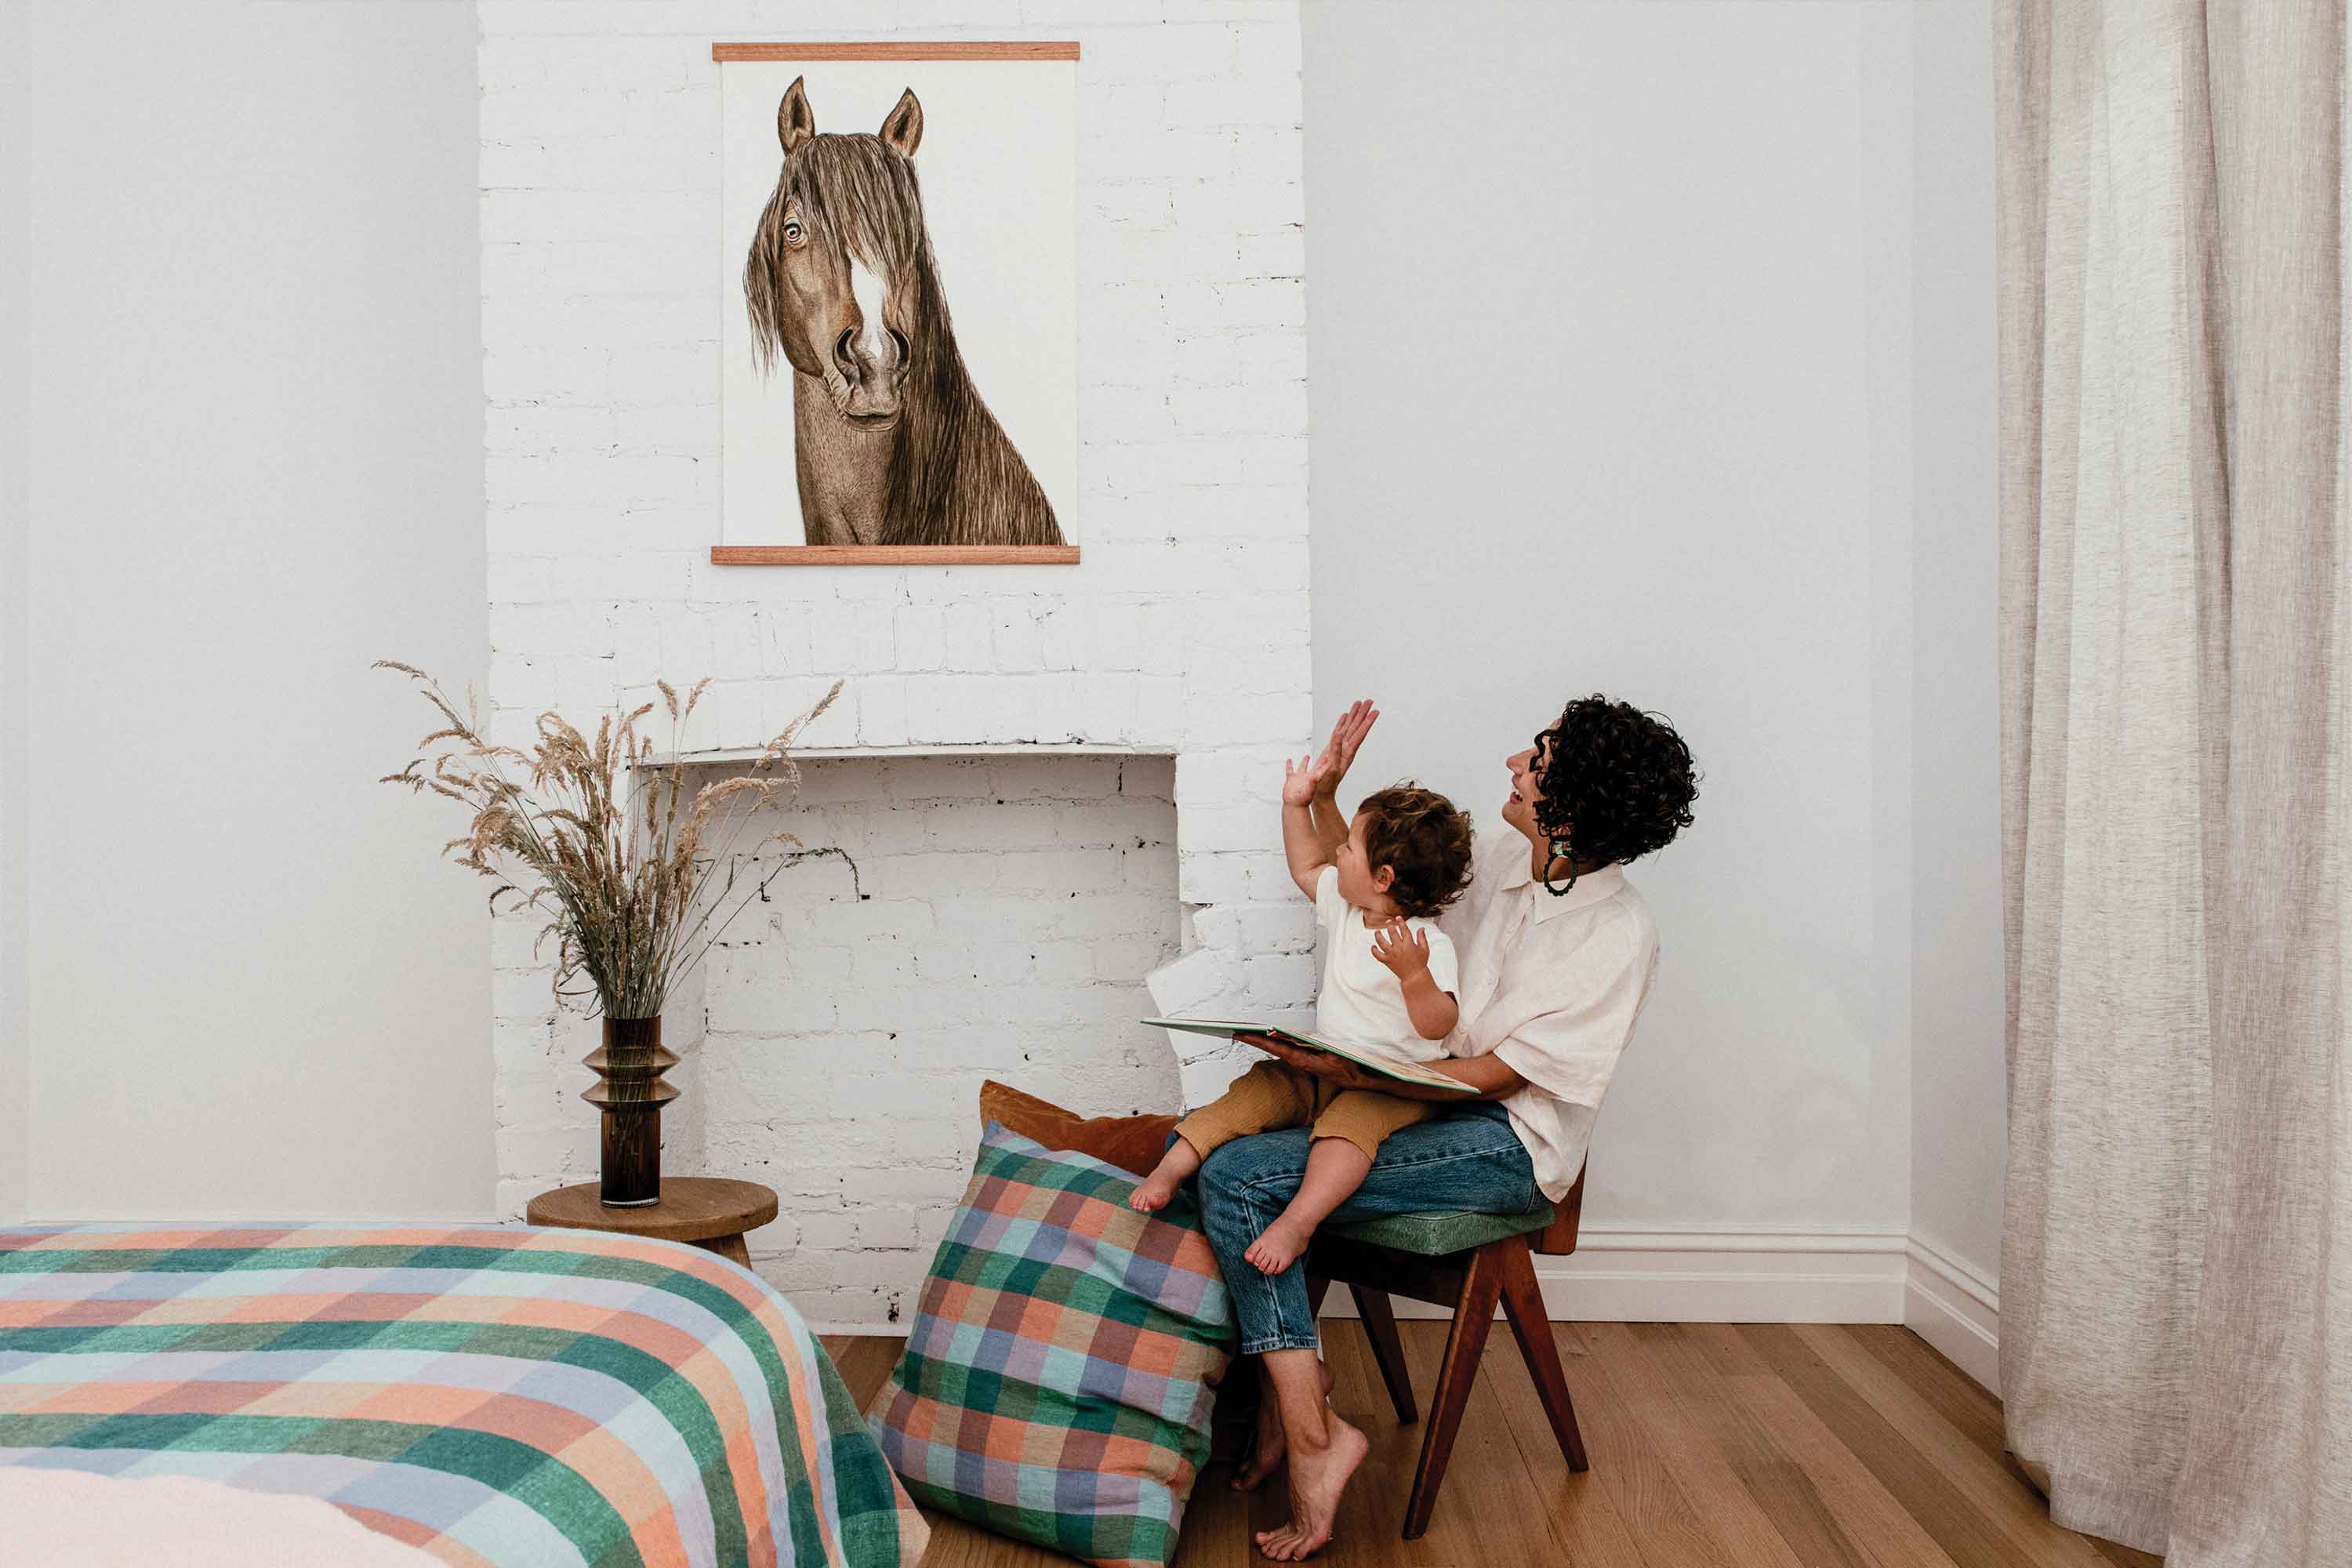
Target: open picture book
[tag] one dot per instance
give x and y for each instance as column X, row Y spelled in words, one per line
column 1387, row 1067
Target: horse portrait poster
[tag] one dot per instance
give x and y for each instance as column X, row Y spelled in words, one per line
column 898, row 332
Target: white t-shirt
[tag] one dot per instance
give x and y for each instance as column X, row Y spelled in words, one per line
column 1553, row 986
column 1362, row 1001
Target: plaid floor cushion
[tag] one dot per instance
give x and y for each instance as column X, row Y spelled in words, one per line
column 1055, row 1385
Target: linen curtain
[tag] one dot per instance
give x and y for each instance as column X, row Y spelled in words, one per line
column 2177, row 678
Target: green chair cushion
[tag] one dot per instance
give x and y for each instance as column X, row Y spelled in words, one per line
column 1440, row 1231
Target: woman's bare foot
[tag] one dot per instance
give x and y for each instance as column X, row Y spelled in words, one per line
column 1266, row 1453
column 1280, row 1244
column 1318, row 1479
column 1153, row 1195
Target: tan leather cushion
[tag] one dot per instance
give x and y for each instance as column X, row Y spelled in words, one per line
column 1130, row 1143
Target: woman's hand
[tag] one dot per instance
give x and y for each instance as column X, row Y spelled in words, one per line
column 1317, row 1063
column 1339, row 753
column 1487, row 1078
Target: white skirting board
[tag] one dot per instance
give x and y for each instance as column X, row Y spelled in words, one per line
column 1956, row 1309
column 1747, row 1277
column 1714, row 1277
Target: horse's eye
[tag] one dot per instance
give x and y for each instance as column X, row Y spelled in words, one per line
column 793, row 235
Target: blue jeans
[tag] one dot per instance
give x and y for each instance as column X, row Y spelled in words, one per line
column 1468, row 1158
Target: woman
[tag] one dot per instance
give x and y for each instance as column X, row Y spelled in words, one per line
column 1557, row 952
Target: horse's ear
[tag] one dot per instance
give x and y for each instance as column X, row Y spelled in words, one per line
column 904, row 127
column 795, row 121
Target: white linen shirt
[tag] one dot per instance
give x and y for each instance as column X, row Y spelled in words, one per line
column 1553, row 987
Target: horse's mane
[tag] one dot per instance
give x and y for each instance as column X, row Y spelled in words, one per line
column 953, row 477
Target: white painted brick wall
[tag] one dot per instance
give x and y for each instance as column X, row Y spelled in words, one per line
column 1010, row 910
column 1183, row 633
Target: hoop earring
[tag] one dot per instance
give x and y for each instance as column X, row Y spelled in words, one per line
column 1559, row 851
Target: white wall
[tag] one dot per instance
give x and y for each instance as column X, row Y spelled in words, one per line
column 16, row 1057
column 253, row 376
column 1605, row 299
column 1959, row 1094
column 1673, row 356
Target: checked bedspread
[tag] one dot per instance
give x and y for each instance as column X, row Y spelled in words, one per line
column 491, row 1396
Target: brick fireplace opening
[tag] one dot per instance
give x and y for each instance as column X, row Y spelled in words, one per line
column 998, row 917
column 1010, row 912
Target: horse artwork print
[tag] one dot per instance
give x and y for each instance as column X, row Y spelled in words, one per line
column 844, row 299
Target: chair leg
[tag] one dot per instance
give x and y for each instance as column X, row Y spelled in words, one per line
column 1233, row 1422
column 1523, row 1304
column 1316, row 1291
column 1388, row 1350
column 1474, row 1313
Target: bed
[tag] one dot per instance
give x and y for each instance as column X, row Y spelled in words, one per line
column 484, row 1396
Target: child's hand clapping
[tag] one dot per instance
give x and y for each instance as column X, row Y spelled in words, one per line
column 1402, row 948
column 1298, row 781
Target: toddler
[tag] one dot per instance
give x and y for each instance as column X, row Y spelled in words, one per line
column 1377, row 882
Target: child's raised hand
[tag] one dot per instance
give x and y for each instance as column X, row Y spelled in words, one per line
column 1402, row 948
column 1339, row 753
column 1298, row 781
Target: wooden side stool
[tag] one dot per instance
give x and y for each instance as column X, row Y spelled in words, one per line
column 710, row 1213
column 1466, row 1261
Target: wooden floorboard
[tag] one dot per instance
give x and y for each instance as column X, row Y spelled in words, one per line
column 1868, row 1514
column 1787, row 1495
column 1712, row 1446
column 1580, row 1511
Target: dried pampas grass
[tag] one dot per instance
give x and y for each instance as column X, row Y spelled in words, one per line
column 635, row 898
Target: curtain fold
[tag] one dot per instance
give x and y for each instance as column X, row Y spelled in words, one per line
column 2175, row 640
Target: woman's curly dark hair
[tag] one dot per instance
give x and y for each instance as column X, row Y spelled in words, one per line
column 1617, row 783
column 1418, row 834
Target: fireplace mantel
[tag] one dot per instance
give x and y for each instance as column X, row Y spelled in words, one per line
column 726, row 757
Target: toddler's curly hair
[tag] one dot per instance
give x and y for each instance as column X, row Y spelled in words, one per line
column 1617, row 783
column 1418, row 834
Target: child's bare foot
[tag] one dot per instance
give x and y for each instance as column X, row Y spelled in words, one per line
column 1180, row 1160
column 1153, row 1195
column 1278, row 1246
column 1318, row 1480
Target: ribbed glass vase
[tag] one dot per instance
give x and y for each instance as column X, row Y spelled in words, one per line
column 629, row 1090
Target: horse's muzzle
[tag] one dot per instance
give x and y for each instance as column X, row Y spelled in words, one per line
column 873, row 378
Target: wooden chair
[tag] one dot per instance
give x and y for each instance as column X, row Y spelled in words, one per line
column 1466, row 1261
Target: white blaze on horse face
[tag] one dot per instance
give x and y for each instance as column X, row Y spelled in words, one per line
column 866, row 286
